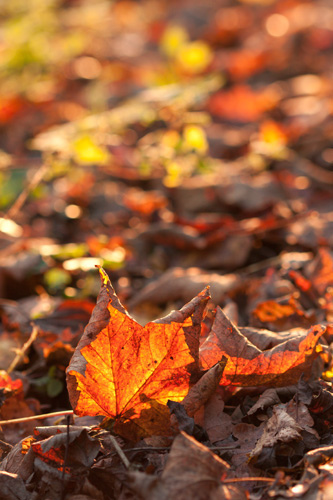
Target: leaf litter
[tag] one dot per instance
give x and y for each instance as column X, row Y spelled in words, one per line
column 178, row 147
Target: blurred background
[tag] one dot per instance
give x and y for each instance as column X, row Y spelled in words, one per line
column 151, row 135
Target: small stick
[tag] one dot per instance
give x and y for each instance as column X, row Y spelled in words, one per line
column 36, row 417
column 245, row 479
column 63, row 478
column 120, row 452
column 19, row 202
column 167, row 448
column 24, row 348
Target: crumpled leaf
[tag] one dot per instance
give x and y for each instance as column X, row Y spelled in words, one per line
column 280, row 428
column 249, row 366
column 267, row 398
column 128, row 372
column 192, row 471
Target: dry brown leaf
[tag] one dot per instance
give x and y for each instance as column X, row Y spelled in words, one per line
column 206, row 386
column 12, row 487
column 192, row 471
column 183, row 284
column 280, row 428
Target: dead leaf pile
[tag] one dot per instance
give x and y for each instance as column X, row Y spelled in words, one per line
column 187, row 149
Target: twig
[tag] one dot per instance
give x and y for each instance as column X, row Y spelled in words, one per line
column 21, row 199
column 24, row 348
column 36, row 417
column 63, row 478
column 120, row 452
column 245, row 479
column 167, row 448
column 259, row 266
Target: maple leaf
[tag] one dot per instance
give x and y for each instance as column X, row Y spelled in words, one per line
column 128, row 372
column 249, row 366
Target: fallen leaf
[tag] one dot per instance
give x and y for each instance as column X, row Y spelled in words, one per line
column 12, row 487
column 280, row 428
column 217, row 424
column 128, row 372
column 249, row 366
column 230, row 253
column 20, row 459
column 206, row 386
column 320, row 271
column 281, row 314
column 246, row 436
column 265, row 339
column 180, row 420
column 183, row 284
column 250, row 193
column 192, row 470
column 52, row 444
column 267, row 398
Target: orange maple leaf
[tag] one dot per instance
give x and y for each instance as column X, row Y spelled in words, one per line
column 128, row 372
column 249, row 366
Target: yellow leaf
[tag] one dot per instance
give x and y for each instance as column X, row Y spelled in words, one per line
column 195, row 138
column 194, row 57
column 173, row 177
column 173, row 38
column 87, row 151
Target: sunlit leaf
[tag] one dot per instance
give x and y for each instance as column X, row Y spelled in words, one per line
column 249, row 366
column 128, row 372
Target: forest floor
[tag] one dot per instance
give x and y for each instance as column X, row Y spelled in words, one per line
column 172, row 161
